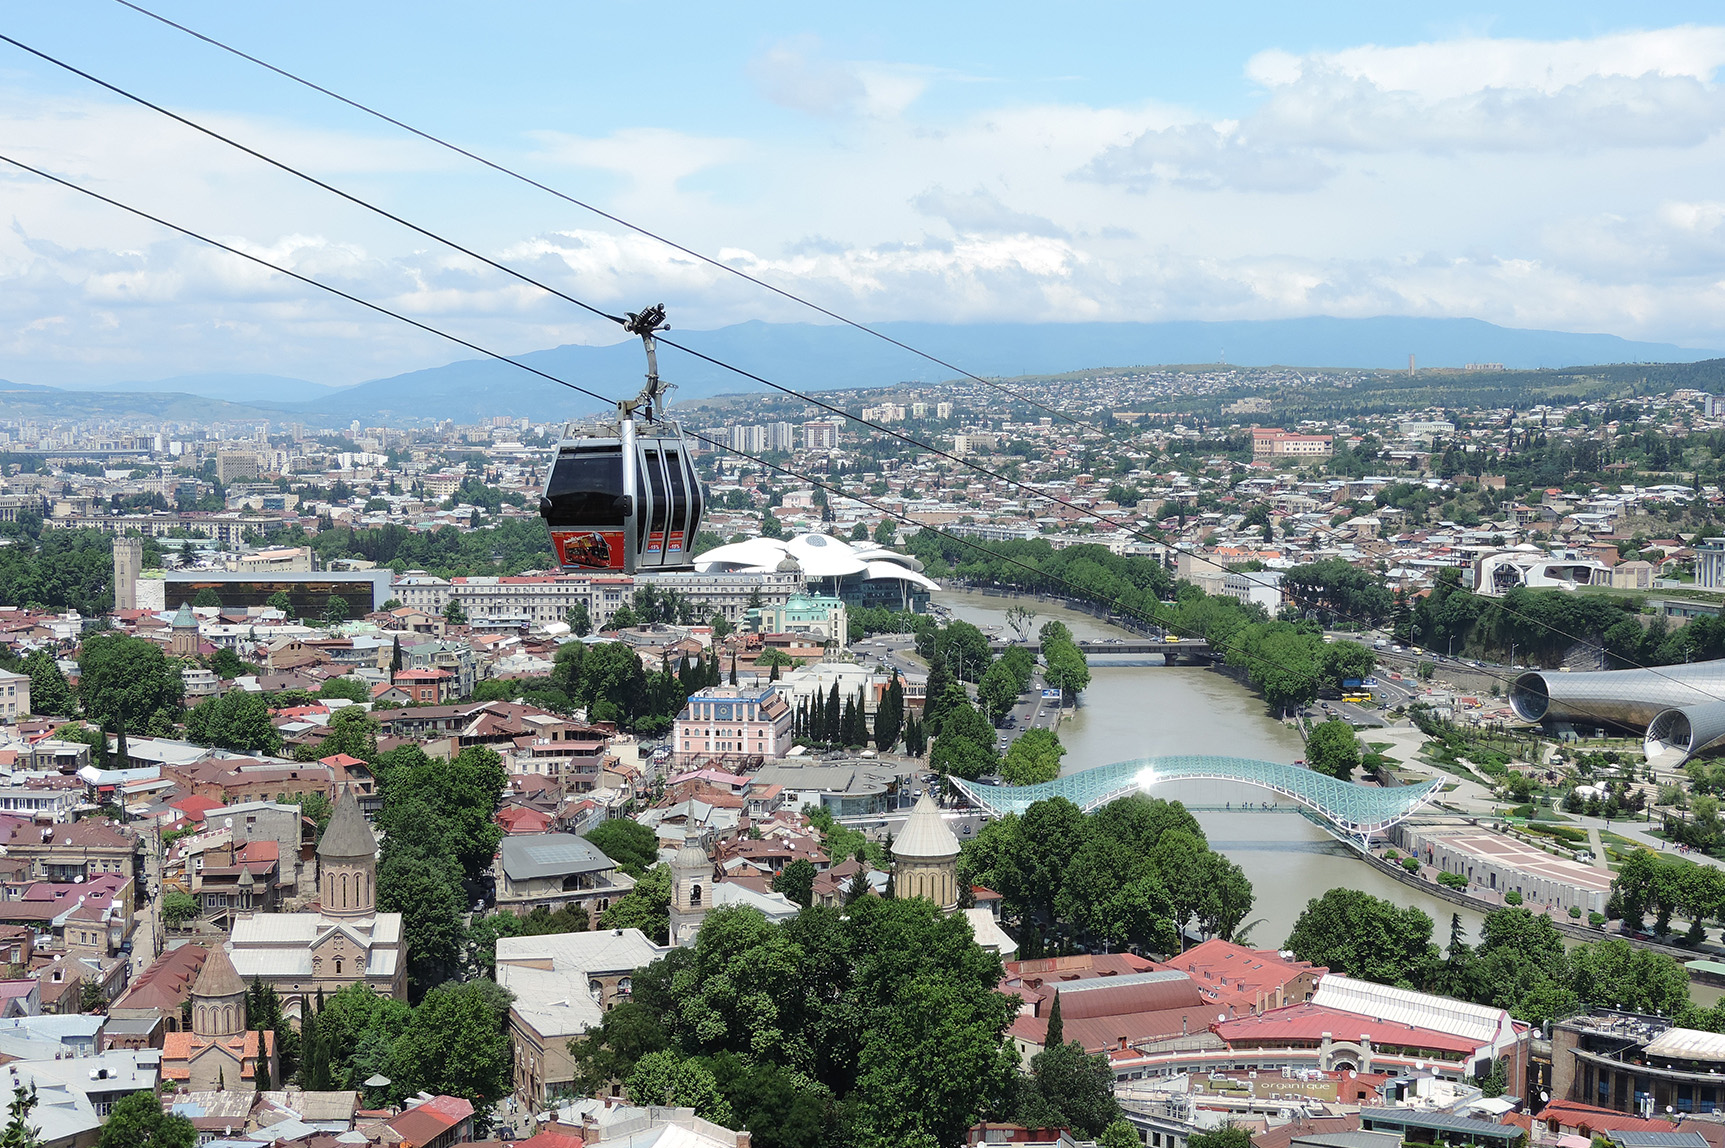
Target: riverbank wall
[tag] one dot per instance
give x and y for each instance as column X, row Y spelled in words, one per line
column 1481, row 905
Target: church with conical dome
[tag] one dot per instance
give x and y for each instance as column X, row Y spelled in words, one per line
column 345, row 940
column 925, row 857
column 220, row 1052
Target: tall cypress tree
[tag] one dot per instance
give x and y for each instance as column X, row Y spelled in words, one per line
column 1056, row 1034
column 835, row 715
column 848, row 732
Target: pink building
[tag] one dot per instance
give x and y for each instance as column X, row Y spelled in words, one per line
column 725, row 720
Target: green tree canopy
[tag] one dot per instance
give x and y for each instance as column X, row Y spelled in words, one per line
column 1359, row 935
column 139, row 1122
column 129, row 684
column 629, row 843
column 1332, row 748
column 1033, row 758
column 238, row 720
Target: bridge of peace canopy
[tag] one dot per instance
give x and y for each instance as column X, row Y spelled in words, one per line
column 1354, row 812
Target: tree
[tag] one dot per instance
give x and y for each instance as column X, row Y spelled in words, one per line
column 207, row 599
column 428, row 895
column 1359, row 935
column 1033, row 758
column 457, row 1043
column 580, row 623
column 965, row 747
column 178, row 908
column 797, row 881
column 454, row 613
column 885, row 532
column 238, row 720
column 889, row 716
column 646, row 907
column 280, row 601
column 771, row 527
column 128, row 684
column 1332, row 748
column 91, row 998
column 335, row 610
column 139, row 1122
column 20, row 1133
column 1121, row 1134
column 1078, row 1086
column 1227, row 1136
column 50, row 693
column 632, row 845
column 351, row 731
column 226, row 664
column 1055, row 1034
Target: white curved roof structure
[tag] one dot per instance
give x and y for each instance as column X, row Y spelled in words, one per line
column 820, row 556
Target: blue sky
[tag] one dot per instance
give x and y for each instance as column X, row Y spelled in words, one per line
column 1536, row 165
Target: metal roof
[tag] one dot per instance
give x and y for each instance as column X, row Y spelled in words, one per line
column 1357, row 809
column 1481, row 1023
column 552, row 855
column 1440, row 1122
column 1630, row 1138
column 1688, row 1044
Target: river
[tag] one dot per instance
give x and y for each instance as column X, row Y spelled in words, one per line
column 1145, row 711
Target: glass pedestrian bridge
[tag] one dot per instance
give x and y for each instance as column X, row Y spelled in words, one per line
column 1357, row 812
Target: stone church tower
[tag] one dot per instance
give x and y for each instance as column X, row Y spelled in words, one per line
column 925, row 857
column 691, row 892
column 183, row 635
column 218, row 999
column 347, row 862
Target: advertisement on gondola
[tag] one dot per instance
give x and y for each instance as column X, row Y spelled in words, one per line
column 656, row 542
column 589, row 549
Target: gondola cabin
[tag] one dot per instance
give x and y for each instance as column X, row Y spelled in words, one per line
column 628, row 502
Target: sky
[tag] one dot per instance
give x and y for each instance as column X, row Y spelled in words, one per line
column 1543, row 165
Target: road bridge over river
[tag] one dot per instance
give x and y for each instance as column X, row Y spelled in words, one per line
column 1170, row 648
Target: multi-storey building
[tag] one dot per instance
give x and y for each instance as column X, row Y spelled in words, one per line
column 1274, row 442
column 14, row 695
column 820, row 435
column 1710, row 564
column 728, row 720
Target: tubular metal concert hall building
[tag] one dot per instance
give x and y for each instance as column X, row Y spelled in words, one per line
column 1680, row 708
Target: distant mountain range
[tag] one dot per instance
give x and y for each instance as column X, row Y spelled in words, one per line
column 229, row 387
column 820, row 358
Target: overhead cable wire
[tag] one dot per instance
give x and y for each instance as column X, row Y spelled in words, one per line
column 716, row 443
column 1126, row 528
column 504, row 169
column 523, row 277
column 1146, row 616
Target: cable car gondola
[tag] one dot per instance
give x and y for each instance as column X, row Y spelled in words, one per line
column 628, row 500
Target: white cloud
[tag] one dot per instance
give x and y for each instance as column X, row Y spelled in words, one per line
column 1641, row 90
column 980, row 212
column 1478, row 178
column 797, row 73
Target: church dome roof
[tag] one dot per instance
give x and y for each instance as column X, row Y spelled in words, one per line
column 925, row 836
column 184, row 619
column 690, row 856
column 347, row 836
column 218, row 978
